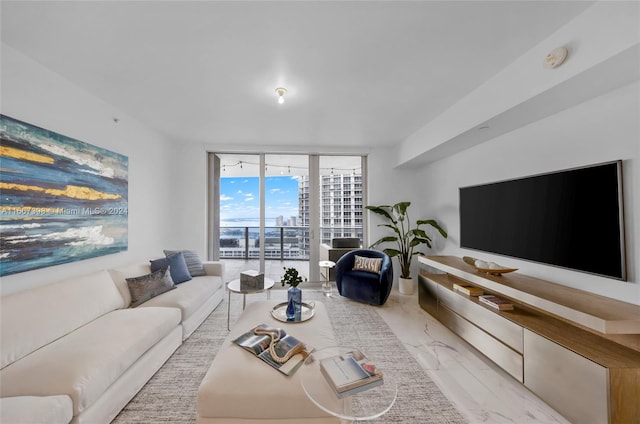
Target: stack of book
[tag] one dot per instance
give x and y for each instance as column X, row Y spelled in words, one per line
column 495, row 302
column 468, row 290
column 350, row 373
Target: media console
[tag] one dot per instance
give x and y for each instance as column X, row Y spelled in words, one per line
column 577, row 351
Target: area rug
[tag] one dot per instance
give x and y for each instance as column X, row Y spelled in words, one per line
column 170, row 396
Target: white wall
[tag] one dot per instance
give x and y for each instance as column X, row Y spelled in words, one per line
column 189, row 198
column 603, row 129
column 34, row 94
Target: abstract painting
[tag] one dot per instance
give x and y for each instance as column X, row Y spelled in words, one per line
column 62, row 200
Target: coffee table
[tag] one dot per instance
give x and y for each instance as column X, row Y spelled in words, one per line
column 240, row 388
column 365, row 405
column 235, row 287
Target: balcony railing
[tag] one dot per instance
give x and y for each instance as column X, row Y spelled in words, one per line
column 283, row 243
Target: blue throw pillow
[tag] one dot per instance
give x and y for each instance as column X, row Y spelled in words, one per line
column 177, row 267
column 194, row 264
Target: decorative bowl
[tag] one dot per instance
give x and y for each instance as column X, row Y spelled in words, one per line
column 493, row 271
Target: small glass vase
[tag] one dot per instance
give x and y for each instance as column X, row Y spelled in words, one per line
column 294, row 306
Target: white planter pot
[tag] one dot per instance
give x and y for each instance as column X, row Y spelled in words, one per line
column 405, row 285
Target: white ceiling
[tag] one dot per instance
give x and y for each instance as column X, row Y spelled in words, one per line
column 358, row 73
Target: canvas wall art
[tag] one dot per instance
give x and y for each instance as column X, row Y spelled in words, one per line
column 62, row 200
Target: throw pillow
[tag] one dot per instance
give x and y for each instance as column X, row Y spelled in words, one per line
column 149, row 286
column 177, row 267
column 362, row 263
column 194, row 264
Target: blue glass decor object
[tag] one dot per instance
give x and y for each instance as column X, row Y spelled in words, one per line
column 294, row 306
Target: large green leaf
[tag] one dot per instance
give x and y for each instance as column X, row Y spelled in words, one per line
column 382, row 210
column 392, row 252
column 393, row 227
column 417, row 232
column 434, row 224
column 385, row 239
column 418, row 241
column 401, row 208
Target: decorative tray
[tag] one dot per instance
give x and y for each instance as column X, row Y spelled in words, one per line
column 495, row 270
column 279, row 312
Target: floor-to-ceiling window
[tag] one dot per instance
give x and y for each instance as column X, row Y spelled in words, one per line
column 282, row 206
column 239, row 218
column 285, row 202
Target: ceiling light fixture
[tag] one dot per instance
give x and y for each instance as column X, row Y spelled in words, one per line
column 281, row 92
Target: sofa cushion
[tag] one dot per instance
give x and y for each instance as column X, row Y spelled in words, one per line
column 194, row 263
column 177, row 267
column 148, row 286
column 90, row 359
column 36, row 409
column 213, row 268
column 30, row 319
column 188, row 297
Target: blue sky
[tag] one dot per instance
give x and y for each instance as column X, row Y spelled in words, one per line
column 240, row 197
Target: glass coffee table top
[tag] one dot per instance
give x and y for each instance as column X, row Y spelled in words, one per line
column 365, row 405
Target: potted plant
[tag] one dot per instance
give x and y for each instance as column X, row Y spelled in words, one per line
column 294, row 294
column 406, row 238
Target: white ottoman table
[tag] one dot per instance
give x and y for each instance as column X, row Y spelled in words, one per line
column 241, row 389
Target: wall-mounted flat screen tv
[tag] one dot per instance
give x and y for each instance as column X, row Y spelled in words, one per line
column 571, row 219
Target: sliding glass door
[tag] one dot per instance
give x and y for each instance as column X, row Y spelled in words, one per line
column 287, row 230
column 282, row 207
column 239, row 218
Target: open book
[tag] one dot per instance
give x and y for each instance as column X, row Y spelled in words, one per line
column 258, row 344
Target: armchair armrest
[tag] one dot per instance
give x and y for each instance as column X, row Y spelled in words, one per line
column 213, row 268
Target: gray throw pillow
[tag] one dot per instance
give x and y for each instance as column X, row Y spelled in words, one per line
column 194, row 264
column 149, row 286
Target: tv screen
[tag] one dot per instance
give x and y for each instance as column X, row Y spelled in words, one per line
column 571, row 219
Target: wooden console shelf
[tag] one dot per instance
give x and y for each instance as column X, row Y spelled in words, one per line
column 577, row 351
column 599, row 313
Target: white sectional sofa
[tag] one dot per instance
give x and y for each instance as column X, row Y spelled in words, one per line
column 74, row 351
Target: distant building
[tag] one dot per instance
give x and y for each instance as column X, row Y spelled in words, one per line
column 341, row 208
column 279, row 221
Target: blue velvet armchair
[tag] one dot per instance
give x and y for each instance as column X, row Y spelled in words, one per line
column 364, row 286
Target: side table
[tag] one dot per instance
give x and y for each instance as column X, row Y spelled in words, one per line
column 365, row 405
column 326, row 286
column 235, row 287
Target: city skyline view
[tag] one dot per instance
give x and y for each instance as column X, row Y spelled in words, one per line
column 240, row 200
column 287, row 212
